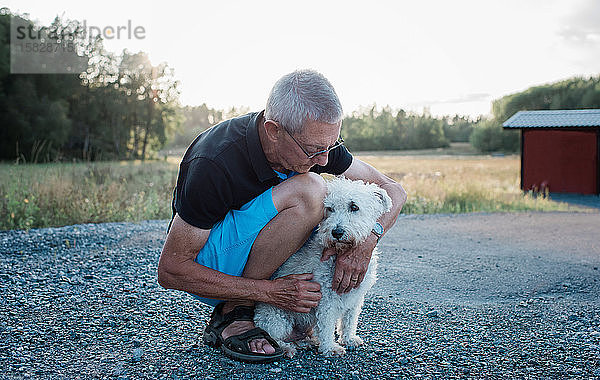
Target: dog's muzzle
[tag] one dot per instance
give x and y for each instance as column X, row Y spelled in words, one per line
column 338, row 242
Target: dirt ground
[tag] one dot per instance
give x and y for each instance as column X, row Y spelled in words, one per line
column 487, row 258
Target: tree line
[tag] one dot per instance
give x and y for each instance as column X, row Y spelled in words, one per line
column 387, row 129
column 367, row 129
column 120, row 107
column 123, row 107
column 572, row 93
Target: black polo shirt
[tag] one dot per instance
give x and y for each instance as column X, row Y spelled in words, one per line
column 225, row 167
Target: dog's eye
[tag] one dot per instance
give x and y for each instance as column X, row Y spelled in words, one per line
column 329, row 209
column 353, row 207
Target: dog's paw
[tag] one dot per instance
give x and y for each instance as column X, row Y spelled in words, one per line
column 307, row 343
column 334, row 350
column 288, row 349
column 352, row 341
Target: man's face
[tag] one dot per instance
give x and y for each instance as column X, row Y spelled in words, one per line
column 315, row 137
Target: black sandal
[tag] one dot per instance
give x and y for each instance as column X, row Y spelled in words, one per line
column 237, row 346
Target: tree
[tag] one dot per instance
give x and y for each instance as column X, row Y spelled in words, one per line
column 195, row 120
column 33, row 108
column 372, row 129
column 119, row 107
column 459, row 128
column 574, row 93
column 488, row 136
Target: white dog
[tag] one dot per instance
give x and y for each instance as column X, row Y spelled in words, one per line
column 351, row 211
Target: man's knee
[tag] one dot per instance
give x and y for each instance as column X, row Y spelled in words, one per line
column 305, row 191
column 311, row 189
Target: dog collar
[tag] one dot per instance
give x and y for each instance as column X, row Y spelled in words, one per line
column 378, row 231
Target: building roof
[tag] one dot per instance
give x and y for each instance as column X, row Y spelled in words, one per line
column 554, row 119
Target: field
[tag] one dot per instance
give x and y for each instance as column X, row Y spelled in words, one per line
column 457, row 184
column 47, row 195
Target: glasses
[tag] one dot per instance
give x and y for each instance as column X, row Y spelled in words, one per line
column 340, row 141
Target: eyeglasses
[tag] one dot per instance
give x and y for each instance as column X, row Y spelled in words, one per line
column 340, row 141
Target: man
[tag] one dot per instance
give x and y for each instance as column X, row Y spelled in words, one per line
column 248, row 195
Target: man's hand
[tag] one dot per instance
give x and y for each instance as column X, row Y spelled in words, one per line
column 294, row 292
column 351, row 265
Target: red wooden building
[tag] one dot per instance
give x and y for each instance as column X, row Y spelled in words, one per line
column 560, row 150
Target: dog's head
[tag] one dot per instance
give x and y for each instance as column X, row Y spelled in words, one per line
column 351, row 211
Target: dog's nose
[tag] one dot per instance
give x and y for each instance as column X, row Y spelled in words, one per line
column 337, row 233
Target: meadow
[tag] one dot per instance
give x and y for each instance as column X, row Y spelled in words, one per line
column 57, row 194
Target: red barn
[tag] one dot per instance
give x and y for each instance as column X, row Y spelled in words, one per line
column 560, row 150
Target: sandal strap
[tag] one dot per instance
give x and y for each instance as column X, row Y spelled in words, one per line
column 240, row 313
column 220, row 321
column 241, row 342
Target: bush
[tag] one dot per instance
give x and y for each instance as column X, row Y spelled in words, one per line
column 488, row 136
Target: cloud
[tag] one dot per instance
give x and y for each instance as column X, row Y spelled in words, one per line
column 582, row 26
column 467, row 98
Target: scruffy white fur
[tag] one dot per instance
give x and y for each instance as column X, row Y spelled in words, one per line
column 341, row 311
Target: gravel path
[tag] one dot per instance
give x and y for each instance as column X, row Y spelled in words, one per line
column 479, row 295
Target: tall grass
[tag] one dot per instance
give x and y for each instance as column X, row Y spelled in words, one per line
column 46, row 195
column 60, row 194
column 445, row 184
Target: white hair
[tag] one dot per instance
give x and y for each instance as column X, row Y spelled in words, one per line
column 302, row 96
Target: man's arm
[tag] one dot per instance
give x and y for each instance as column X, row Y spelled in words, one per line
column 354, row 263
column 178, row 270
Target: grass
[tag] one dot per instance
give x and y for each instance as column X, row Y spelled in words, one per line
column 46, row 195
column 458, row 184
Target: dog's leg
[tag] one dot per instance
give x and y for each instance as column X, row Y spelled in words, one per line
column 309, row 341
column 348, row 335
column 325, row 331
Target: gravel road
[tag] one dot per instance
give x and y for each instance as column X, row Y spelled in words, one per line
column 459, row 296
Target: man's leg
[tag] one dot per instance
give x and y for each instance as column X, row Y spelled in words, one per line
column 299, row 201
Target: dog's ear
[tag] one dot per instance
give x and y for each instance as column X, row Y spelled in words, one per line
column 384, row 198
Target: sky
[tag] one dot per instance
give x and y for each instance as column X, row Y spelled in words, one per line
column 453, row 57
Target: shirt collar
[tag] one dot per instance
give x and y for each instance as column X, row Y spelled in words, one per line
column 257, row 156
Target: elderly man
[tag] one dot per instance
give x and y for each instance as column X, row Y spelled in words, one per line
column 248, row 195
